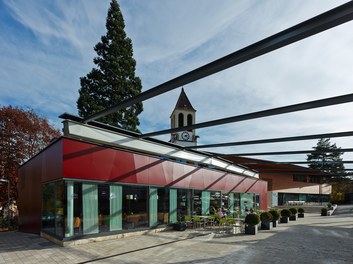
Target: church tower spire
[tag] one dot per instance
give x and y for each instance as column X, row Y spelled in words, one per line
column 183, row 114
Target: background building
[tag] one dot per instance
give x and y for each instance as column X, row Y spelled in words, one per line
column 287, row 183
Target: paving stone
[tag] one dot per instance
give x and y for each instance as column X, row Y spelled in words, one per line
column 313, row 239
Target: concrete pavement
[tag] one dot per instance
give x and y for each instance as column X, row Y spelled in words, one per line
column 313, row 239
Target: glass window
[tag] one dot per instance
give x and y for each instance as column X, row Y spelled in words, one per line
column 90, row 208
column 153, row 207
column 135, row 207
column 184, row 202
column 77, row 208
column 314, row 179
column 59, row 207
column 69, row 208
column 104, row 208
column 115, row 207
column 197, row 202
column 215, row 200
column 299, row 178
column 173, row 205
column 163, row 206
column 53, row 205
column 48, row 208
column 205, row 202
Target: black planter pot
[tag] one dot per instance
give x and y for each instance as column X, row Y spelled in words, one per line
column 284, row 219
column 274, row 223
column 251, row 230
column 301, row 215
column 266, row 225
column 179, row 226
column 293, row 218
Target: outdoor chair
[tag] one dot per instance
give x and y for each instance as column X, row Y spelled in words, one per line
column 188, row 221
column 222, row 224
column 197, row 222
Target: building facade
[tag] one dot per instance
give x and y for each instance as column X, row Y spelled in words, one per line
column 97, row 180
column 289, row 184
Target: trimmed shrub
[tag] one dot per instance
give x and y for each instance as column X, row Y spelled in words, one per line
column 252, row 219
column 266, row 217
column 275, row 214
column 324, row 211
column 293, row 211
column 285, row 213
column 301, row 210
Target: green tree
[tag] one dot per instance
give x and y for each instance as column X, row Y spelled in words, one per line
column 113, row 80
column 327, row 158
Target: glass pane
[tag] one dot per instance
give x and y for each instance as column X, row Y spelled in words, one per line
column 59, row 209
column 206, row 202
column 135, row 204
column 215, row 200
column 48, row 208
column 231, row 204
column 103, row 207
column 77, row 208
column 115, row 207
column 153, row 207
column 173, row 194
column 163, row 206
column 247, row 201
column 70, row 209
column 90, row 208
column 184, row 202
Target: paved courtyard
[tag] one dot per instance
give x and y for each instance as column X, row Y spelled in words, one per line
column 314, row 239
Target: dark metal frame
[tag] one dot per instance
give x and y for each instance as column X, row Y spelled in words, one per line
column 294, row 152
column 275, row 140
column 348, row 98
column 317, row 24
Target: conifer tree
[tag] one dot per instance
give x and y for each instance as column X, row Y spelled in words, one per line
column 326, row 157
column 113, row 80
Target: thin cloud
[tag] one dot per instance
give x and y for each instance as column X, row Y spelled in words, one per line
column 48, row 45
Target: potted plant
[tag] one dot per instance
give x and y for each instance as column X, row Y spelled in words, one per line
column 181, row 224
column 285, row 214
column 251, row 224
column 324, row 211
column 300, row 212
column 275, row 216
column 266, row 221
column 293, row 216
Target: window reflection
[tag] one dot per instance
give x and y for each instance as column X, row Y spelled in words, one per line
column 135, row 213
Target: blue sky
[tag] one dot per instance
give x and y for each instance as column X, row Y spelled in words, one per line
column 46, row 46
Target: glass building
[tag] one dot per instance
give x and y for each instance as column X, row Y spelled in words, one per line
column 95, row 181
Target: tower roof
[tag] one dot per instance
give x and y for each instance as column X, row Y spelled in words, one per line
column 183, row 102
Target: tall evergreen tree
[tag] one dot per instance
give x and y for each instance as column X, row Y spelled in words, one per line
column 326, row 157
column 113, row 80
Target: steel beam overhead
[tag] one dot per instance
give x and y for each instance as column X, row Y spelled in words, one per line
column 288, row 162
column 317, row 24
column 281, row 152
column 348, row 98
column 274, row 140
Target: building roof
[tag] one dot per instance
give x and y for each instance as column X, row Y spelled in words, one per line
column 95, row 132
column 183, row 102
column 265, row 166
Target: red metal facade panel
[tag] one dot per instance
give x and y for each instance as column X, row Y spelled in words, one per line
column 46, row 166
column 91, row 162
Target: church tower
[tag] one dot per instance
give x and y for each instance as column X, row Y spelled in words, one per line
column 183, row 115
